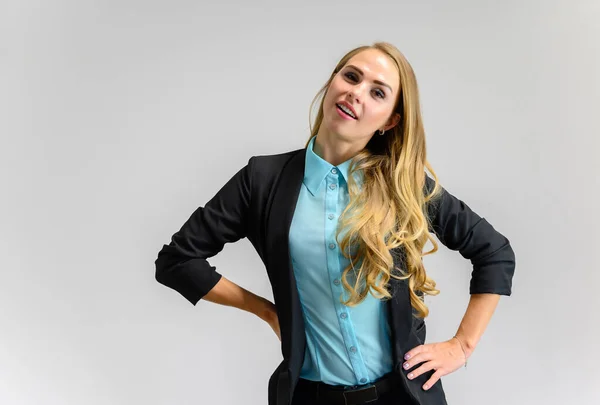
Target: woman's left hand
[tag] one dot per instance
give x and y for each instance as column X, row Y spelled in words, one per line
column 444, row 357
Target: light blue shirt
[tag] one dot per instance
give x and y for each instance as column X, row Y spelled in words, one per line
column 344, row 346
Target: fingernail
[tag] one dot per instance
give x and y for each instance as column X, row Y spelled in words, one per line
column 410, row 375
column 426, row 386
column 406, row 356
column 406, row 365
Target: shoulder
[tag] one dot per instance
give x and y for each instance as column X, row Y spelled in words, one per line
column 265, row 165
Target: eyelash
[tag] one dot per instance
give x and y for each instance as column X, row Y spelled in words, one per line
column 351, row 73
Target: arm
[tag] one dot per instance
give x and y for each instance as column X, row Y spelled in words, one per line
column 479, row 312
column 182, row 264
column 230, row 294
column 460, row 228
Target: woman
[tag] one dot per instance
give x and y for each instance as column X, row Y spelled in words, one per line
column 340, row 226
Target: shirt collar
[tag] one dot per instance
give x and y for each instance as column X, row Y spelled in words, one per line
column 316, row 168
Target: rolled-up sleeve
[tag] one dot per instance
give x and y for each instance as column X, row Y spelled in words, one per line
column 182, row 264
column 460, row 228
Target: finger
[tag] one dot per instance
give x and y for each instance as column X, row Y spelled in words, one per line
column 418, row 358
column 425, row 367
column 413, row 352
column 434, row 378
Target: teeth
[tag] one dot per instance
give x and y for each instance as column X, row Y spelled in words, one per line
column 343, row 107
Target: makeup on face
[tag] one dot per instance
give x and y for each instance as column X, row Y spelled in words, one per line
column 363, row 90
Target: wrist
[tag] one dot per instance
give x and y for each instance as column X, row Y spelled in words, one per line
column 466, row 345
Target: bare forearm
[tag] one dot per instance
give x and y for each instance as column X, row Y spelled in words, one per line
column 226, row 292
column 477, row 316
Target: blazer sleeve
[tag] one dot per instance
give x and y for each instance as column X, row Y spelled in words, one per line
column 182, row 265
column 460, row 228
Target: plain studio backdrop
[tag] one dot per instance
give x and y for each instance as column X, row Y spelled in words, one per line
column 120, row 118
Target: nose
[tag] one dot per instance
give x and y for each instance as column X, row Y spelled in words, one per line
column 357, row 91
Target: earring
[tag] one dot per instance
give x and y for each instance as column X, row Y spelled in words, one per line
column 381, row 132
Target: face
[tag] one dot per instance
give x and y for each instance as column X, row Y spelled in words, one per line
column 368, row 85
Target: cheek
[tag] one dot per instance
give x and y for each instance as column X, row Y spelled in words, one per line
column 333, row 93
column 378, row 113
column 329, row 97
column 372, row 114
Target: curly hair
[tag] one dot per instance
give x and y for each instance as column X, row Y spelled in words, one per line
column 387, row 213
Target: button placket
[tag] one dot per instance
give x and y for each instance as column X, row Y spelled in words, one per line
column 334, row 199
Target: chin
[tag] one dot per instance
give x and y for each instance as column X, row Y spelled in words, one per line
column 336, row 127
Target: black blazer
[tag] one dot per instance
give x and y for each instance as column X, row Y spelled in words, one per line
column 258, row 202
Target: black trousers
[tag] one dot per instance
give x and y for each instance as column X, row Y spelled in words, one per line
column 397, row 396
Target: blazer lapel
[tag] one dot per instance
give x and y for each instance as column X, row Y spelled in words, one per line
column 400, row 316
column 285, row 291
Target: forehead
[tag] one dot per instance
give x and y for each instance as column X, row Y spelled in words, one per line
column 376, row 65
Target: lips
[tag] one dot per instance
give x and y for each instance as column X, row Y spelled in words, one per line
column 344, row 112
column 348, row 106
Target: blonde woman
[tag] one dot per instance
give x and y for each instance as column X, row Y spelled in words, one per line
column 341, row 226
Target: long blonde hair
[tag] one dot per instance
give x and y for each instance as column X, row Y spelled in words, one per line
column 390, row 211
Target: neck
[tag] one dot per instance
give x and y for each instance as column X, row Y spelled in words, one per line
column 336, row 149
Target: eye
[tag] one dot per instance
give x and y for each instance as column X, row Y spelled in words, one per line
column 381, row 93
column 352, row 76
column 348, row 74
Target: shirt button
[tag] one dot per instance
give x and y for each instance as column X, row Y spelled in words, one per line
column 334, row 170
column 332, row 186
column 330, row 216
column 336, row 282
column 331, row 246
column 344, row 315
column 363, row 380
column 353, row 349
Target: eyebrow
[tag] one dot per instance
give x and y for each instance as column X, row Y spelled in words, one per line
column 374, row 81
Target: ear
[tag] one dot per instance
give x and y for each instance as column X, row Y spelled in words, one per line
column 392, row 122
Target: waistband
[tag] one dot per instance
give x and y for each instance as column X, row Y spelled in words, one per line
column 350, row 395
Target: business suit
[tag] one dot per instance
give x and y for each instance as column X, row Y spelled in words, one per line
column 258, row 203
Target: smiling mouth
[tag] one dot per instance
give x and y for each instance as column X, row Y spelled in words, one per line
column 342, row 110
